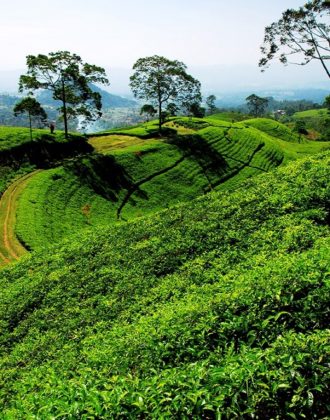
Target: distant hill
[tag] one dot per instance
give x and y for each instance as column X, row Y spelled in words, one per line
column 237, row 98
column 45, row 97
column 109, row 102
column 108, row 99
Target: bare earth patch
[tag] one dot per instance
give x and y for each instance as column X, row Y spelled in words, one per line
column 10, row 247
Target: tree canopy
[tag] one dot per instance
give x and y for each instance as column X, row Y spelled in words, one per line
column 32, row 108
column 69, row 79
column 210, row 102
column 160, row 80
column 256, row 104
column 299, row 37
column 149, row 110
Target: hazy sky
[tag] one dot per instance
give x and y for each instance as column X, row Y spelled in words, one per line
column 114, row 34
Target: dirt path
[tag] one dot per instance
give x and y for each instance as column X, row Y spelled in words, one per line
column 10, row 247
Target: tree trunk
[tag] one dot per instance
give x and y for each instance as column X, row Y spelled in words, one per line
column 65, row 118
column 30, row 122
column 160, row 117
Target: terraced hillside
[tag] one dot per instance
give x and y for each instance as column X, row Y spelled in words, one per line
column 135, row 173
column 20, row 155
column 217, row 308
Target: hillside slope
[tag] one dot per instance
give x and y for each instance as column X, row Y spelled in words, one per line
column 135, row 173
column 20, row 155
column 216, row 308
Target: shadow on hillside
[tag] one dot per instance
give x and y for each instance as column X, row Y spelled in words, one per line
column 103, row 174
column 45, row 152
column 197, row 148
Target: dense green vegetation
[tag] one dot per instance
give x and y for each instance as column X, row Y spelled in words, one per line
column 136, row 175
column 11, row 137
column 230, row 116
column 19, row 155
column 274, row 129
column 317, row 120
column 213, row 309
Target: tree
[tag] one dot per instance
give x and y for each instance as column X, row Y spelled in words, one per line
column 256, row 104
column 31, row 107
column 149, row 110
column 300, row 127
column 172, row 109
column 195, row 110
column 160, row 80
column 69, row 79
column 302, row 33
column 210, row 102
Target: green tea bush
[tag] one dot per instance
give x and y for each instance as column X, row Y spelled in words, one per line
column 213, row 309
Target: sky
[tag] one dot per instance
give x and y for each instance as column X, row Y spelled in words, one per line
column 219, row 40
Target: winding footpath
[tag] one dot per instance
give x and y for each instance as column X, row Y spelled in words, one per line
column 10, row 247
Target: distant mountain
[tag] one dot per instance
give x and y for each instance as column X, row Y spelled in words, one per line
column 7, row 100
column 108, row 100
column 114, row 101
column 237, row 98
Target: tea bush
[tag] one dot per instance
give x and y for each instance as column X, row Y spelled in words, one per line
column 217, row 308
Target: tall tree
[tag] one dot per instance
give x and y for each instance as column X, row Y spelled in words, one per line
column 210, row 102
column 160, row 80
column 69, row 79
column 256, row 104
column 303, row 34
column 32, row 108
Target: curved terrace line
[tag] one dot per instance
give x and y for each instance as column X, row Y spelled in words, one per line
column 135, row 186
column 11, row 248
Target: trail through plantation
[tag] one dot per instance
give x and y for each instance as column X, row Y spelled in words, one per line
column 10, row 247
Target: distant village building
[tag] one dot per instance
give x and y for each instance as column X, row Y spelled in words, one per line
column 279, row 113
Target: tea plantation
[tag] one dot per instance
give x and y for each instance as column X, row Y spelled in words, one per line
column 133, row 173
column 20, row 155
column 217, row 308
column 176, row 277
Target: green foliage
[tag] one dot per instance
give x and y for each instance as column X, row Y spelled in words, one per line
column 69, row 79
column 160, row 80
column 195, row 110
column 149, row 110
column 210, row 102
column 273, row 128
column 139, row 176
column 213, row 309
column 229, row 116
column 257, row 105
column 301, row 35
column 32, row 108
column 315, row 119
column 19, row 155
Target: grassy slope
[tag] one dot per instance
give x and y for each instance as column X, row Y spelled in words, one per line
column 11, row 137
column 216, row 306
column 139, row 176
column 312, row 113
column 19, row 155
column 316, row 120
